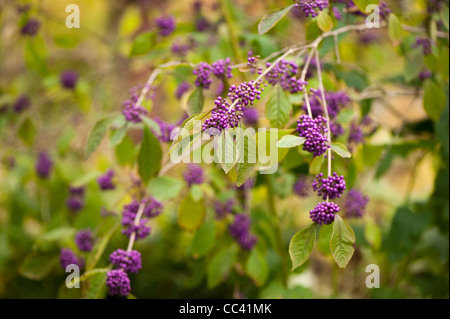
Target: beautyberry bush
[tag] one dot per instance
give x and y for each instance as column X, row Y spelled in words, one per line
column 223, row 149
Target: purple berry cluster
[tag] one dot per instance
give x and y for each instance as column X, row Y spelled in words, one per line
column 311, row 7
column 193, row 174
column 105, row 182
column 313, row 130
column 221, row 69
column 250, row 116
column 301, row 187
column 166, row 130
column 152, row 208
column 84, row 240
column 252, row 63
column 331, row 187
column 284, row 74
column 75, row 202
column 323, row 213
column 117, row 280
column 355, row 204
column 129, row 261
column 359, row 130
column 67, row 257
column 223, row 116
column 31, row 28
column 203, row 72
column 68, row 79
column 44, row 165
column 131, row 110
column 118, row 283
column 166, row 25
column 180, row 49
column 239, row 230
column 424, row 43
column 384, row 10
column 335, row 101
column 223, row 208
column 22, row 103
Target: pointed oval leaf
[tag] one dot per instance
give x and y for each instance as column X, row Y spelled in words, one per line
column 191, row 213
column 324, row 21
column 278, row 107
column 395, row 30
column 196, row 101
column 289, row 141
column 96, row 135
column 342, row 241
column 271, row 19
column 149, row 158
column 316, row 165
column 257, row 268
column 341, row 150
column 301, row 246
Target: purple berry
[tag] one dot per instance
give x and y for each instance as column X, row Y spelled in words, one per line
column 118, row 283
column 323, row 213
column 313, row 130
column 331, row 187
column 193, row 174
column 128, row 261
column 84, row 240
column 44, row 165
column 355, row 204
column 68, row 79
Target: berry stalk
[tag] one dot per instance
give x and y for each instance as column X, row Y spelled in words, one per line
column 136, row 223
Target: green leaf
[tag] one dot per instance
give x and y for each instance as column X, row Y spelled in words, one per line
column 226, row 151
column 152, row 125
column 342, row 241
column 27, row 132
column 269, row 20
column 65, row 140
column 395, row 30
column 324, row 21
column 247, row 159
column 96, row 135
column 316, row 165
column 86, row 178
column 38, row 266
column 143, row 43
column 203, row 240
column 362, row 4
column 278, row 107
column 55, row 235
column 257, row 268
column 150, row 154
column 434, row 99
column 191, row 213
column 289, row 141
column 341, row 150
column 196, row 192
column 220, row 266
column 445, row 17
column 126, row 152
column 302, row 244
column 164, row 188
column 118, row 136
column 323, row 239
column 196, row 101
column 94, row 284
column 372, row 233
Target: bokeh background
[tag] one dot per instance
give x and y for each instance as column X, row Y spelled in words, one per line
column 402, row 167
